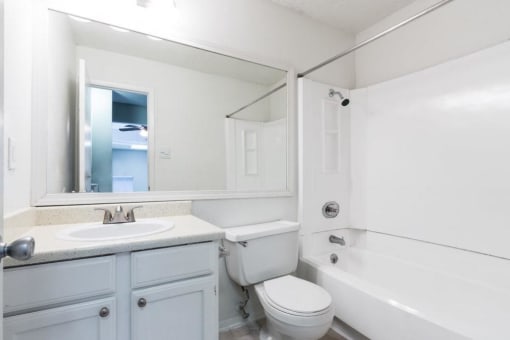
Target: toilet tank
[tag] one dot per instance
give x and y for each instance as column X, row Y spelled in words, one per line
column 259, row 252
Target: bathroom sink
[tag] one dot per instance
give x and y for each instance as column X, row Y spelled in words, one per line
column 108, row 232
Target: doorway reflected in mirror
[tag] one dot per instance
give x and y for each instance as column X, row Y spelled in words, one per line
column 119, row 138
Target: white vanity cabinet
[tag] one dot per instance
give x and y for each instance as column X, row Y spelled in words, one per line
column 165, row 293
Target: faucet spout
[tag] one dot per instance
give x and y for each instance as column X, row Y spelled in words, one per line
column 336, row 239
column 118, row 215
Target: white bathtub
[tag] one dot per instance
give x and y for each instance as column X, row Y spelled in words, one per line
column 384, row 297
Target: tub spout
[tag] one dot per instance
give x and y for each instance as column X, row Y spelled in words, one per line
column 336, row 239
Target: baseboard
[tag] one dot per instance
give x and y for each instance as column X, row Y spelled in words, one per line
column 238, row 321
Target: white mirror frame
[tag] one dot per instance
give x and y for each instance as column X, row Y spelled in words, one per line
column 39, row 166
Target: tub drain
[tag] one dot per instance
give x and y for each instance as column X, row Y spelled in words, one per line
column 333, row 258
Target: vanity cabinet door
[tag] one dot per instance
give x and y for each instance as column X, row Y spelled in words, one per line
column 93, row 320
column 177, row 311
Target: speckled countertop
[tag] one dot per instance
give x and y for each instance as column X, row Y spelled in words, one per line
column 50, row 248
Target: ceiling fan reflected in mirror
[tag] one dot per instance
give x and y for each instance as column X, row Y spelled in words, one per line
column 131, row 127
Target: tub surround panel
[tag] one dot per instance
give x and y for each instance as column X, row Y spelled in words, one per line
column 324, row 156
column 488, row 271
column 358, row 160
column 49, row 248
column 434, row 154
column 483, row 270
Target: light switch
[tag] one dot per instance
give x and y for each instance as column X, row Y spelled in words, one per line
column 11, row 154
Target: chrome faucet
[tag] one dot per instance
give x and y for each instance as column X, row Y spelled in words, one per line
column 336, row 239
column 118, row 215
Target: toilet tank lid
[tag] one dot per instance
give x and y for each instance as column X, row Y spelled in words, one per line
column 252, row 231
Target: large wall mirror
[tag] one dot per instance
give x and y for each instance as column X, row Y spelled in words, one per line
column 129, row 112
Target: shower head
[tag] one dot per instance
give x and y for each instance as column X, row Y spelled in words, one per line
column 344, row 101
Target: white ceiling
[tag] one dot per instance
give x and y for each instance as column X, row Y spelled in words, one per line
column 348, row 15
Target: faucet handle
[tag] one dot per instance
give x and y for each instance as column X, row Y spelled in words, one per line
column 330, row 209
column 107, row 215
column 130, row 216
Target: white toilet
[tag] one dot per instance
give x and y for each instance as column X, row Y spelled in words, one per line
column 264, row 255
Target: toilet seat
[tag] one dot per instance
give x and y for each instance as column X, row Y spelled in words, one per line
column 301, row 311
column 295, row 296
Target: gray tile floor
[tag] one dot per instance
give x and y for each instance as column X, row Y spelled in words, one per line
column 251, row 332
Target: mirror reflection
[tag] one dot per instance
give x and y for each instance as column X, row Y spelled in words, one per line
column 130, row 112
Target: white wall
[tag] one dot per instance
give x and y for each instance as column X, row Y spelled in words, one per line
column 62, row 101
column 459, row 28
column 189, row 112
column 436, row 153
column 17, row 101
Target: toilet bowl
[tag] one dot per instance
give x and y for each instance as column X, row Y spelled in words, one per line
column 294, row 308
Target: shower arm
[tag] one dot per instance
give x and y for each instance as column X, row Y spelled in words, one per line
column 344, row 101
column 333, row 92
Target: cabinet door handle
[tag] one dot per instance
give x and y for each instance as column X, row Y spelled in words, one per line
column 142, row 302
column 104, row 312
